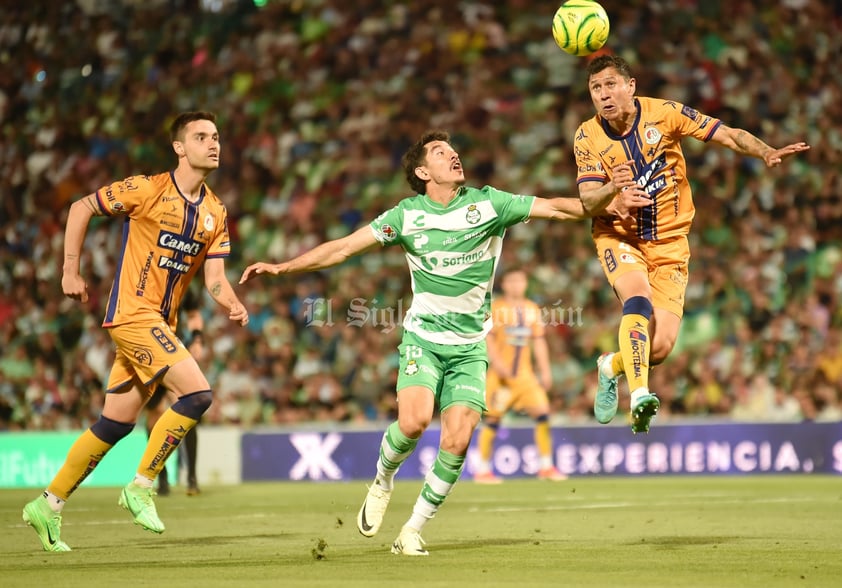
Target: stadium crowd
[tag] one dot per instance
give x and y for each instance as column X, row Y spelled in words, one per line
column 317, row 101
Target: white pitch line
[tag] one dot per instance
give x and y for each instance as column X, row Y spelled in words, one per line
column 606, row 505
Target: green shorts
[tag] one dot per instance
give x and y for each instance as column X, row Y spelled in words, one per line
column 454, row 373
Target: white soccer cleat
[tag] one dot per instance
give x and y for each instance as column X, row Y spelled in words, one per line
column 371, row 513
column 409, row 542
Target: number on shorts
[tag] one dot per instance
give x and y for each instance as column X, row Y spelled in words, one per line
column 413, row 351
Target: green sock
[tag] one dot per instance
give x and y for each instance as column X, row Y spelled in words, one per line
column 395, row 447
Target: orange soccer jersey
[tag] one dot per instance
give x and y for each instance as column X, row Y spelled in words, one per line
column 654, row 147
column 515, row 326
column 165, row 241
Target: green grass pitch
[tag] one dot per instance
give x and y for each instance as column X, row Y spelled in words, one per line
column 744, row 532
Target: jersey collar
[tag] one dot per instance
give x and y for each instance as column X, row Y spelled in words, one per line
column 610, row 132
column 201, row 192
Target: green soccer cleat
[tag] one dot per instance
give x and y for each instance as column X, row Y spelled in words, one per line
column 47, row 524
column 643, row 411
column 605, row 402
column 138, row 501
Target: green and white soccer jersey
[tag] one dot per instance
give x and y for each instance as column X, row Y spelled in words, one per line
column 452, row 252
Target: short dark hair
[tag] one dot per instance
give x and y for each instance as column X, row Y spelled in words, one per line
column 609, row 60
column 513, row 269
column 417, row 155
column 185, row 118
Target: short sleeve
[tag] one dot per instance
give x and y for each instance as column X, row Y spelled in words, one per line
column 125, row 196
column 691, row 123
column 588, row 166
column 386, row 227
column 511, row 208
column 220, row 245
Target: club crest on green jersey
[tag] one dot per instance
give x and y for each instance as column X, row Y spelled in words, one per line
column 473, row 215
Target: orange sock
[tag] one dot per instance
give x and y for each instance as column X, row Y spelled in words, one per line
column 83, row 457
column 634, row 342
column 617, row 365
column 485, row 443
column 543, row 438
column 163, row 440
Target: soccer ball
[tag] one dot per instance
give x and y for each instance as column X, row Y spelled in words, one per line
column 580, row 27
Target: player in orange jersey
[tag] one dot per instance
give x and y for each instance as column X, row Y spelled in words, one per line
column 646, row 255
column 517, row 335
column 172, row 226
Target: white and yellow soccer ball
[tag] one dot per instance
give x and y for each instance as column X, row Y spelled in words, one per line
column 580, row 27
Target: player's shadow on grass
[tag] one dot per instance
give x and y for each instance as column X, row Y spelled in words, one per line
column 675, row 541
column 206, row 540
column 479, row 543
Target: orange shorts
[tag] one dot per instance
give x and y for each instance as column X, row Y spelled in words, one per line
column 145, row 350
column 665, row 262
column 521, row 393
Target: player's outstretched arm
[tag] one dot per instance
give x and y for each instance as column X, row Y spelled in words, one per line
column 222, row 292
column 743, row 142
column 326, row 255
column 72, row 283
column 592, row 202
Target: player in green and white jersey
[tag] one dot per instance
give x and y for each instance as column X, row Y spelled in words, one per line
column 452, row 235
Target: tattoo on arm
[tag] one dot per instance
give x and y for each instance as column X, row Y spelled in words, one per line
column 750, row 144
column 216, row 289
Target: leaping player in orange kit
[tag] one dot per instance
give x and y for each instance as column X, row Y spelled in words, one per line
column 173, row 225
column 645, row 257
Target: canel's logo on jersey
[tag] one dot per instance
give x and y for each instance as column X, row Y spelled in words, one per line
column 179, row 243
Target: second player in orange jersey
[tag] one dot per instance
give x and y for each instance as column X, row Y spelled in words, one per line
column 513, row 384
column 173, row 225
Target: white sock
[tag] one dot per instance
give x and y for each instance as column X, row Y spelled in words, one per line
column 546, row 461
column 143, row 481
column 384, row 481
column 422, row 513
column 638, row 393
column 54, row 501
column 605, row 366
